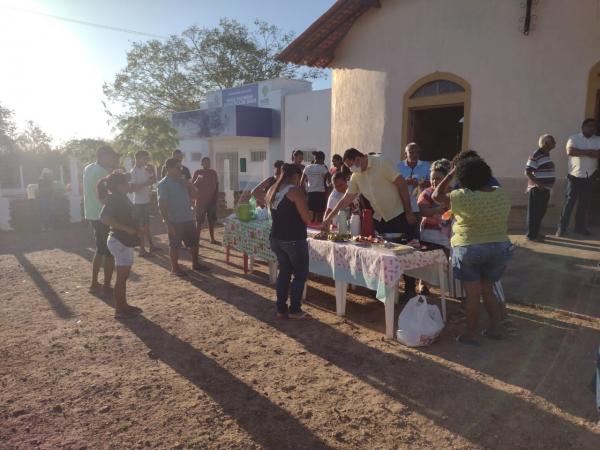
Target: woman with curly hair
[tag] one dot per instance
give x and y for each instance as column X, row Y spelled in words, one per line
column 480, row 245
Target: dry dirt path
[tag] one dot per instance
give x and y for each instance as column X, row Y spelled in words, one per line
column 208, row 366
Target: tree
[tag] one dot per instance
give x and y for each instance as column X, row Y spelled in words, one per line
column 7, row 130
column 33, row 139
column 175, row 75
column 151, row 133
column 84, row 150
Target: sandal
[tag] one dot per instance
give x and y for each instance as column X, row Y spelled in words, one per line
column 180, row 274
column 299, row 316
column 95, row 288
column 125, row 314
column 498, row 336
column 466, row 340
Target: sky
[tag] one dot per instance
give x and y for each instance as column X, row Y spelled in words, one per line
column 52, row 70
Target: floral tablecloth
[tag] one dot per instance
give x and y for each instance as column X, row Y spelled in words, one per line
column 365, row 266
column 371, row 267
column 251, row 237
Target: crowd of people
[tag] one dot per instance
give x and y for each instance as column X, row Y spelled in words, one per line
column 458, row 206
column 118, row 206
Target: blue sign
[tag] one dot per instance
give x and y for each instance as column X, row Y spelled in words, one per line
column 243, row 95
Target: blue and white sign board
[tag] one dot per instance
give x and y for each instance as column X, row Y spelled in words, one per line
column 243, row 95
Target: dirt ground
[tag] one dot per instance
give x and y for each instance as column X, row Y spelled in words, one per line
column 209, row 366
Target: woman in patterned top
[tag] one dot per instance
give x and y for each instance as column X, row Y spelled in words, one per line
column 480, row 245
column 434, row 230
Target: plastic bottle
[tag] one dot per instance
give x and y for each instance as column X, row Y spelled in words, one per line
column 367, row 223
column 342, row 222
column 355, row 223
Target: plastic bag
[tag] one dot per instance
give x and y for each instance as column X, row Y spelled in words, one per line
column 419, row 323
column 262, row 214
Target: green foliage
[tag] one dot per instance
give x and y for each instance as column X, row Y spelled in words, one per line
column 175, row 75
column 7, row 130
column 83, row 149
column 33, row 139
column 144, row 132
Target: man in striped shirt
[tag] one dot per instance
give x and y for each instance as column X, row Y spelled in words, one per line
column 541, row 178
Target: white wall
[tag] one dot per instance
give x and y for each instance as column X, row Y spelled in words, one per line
column 196, row 145
column 307, row 122
column 255, row 172
column 522, row 86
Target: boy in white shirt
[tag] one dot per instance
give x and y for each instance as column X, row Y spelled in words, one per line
column 317, row 176
column 142, row 179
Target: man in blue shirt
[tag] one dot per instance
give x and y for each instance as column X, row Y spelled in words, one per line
column 416, row 174
column 175, row 207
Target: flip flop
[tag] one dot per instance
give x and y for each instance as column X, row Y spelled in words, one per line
column 95, row 289
column 180, row 274
column 301, row 316
column 464, row 339
column 492, row 335
column 125, row 314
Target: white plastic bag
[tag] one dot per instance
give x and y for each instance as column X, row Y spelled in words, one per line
column 419, row 323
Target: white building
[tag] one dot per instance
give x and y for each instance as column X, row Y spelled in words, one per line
column 491, row 75
column 247, row 128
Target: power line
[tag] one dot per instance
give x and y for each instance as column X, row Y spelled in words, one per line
column 83, row 22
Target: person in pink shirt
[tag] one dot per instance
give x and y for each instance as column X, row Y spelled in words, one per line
column 206, row 181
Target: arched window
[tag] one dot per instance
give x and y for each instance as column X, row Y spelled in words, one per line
column 437, row 87
column 437, row 115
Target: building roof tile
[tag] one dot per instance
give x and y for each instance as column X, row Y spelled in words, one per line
column 316, row 46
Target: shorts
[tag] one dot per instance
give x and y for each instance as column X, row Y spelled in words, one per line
column 185, row 232
column 123, row 254
column 141, row 213
column 477, row 262
column 208, row 211
column 317, row 201
column 100, row 236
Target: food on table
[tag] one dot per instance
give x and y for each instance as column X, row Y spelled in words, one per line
column 398, row 249
column 367, row 240
column 334, row 237
column 338, row 237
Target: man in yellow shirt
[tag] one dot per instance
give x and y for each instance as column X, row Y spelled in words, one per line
column 380, row 183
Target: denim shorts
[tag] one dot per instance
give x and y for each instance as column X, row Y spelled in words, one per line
column 477, row 262
column 123, row 254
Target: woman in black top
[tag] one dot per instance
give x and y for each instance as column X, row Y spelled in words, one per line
column 118, row 214
column 290, row 214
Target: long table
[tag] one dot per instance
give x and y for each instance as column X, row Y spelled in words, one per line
column 345, row 263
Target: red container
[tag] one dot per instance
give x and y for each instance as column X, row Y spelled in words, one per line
column 366, row 226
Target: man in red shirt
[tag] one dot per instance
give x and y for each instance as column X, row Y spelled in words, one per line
column 207, row 183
